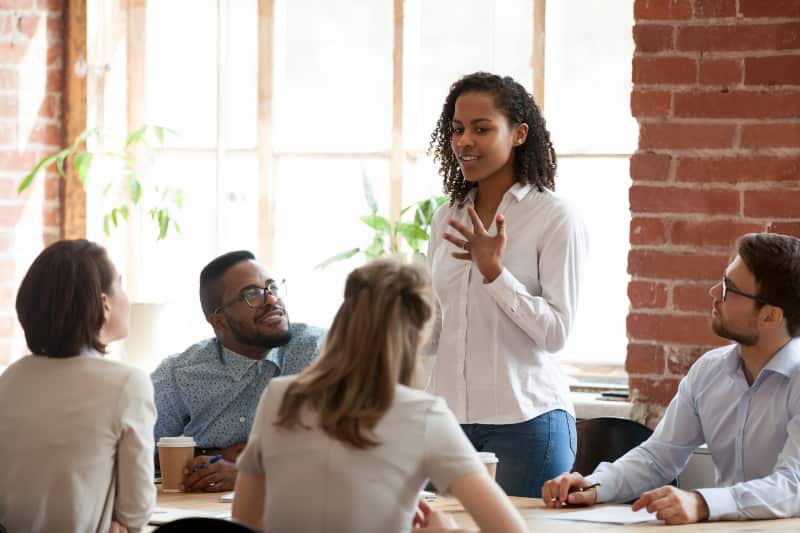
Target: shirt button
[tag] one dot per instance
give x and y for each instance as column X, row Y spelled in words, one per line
column 242, row 419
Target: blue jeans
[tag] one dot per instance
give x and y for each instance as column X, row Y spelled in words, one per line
column 530, row 452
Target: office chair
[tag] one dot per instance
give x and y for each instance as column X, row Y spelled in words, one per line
column 606, row 439
column 192, row 525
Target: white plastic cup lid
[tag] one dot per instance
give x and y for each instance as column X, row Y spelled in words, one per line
column 176, row 442
column 488, row 457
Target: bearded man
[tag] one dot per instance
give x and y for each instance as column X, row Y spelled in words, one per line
column 212, row 389
column 742, row 400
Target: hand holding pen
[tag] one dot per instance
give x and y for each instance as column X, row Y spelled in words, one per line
column 569, row 489
column 209, row 474
column 210, row 462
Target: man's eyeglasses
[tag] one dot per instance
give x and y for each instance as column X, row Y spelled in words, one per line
column 726, row 290
column 256, row 297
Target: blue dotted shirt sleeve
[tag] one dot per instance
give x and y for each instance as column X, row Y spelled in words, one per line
column 172, row 413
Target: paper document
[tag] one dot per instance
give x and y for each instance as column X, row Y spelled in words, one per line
column 608, row 514
column 428, row 496
column 162, row 515
column 226, row 498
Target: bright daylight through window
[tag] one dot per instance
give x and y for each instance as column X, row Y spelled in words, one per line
column 305, row 125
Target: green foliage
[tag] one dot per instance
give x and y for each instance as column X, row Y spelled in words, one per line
column 389, row 237
column 133, row 188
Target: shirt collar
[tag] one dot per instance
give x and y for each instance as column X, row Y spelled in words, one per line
column 733, row 360
column 519, row 191
column 238, row 365
column 784, row 362
column 787, row 360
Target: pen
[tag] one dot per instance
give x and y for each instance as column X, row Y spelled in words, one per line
column 581, row 489
column 210, row 462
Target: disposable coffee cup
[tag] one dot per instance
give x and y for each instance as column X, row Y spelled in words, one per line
column 489, row 460
column 173, row 455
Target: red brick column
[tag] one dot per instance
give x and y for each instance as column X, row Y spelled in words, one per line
column 31, row 86
column 716, row 91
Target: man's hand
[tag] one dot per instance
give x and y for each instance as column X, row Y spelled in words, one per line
column 216, row 477
column 555, row 492
column 673, row 506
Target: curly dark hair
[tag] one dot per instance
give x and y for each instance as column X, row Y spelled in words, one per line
column 534, row 160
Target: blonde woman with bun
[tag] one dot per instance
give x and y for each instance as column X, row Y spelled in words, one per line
column 348, row 444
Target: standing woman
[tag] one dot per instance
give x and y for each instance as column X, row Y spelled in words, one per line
column 348, row 443
column 77, row 429
column 506, row 256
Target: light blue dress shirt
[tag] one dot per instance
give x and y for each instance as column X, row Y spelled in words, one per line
column 752, row 431
column 211, row 393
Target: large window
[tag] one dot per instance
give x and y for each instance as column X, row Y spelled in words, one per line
column 587, row 93
column 353, row 88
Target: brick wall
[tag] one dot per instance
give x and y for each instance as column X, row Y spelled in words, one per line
column 31, row 82
column 716, row 91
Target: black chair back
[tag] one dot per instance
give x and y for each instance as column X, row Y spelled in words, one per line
column 606, row 439
column 192, row 525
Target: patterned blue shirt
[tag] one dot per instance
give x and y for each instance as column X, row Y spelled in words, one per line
column 211, row 393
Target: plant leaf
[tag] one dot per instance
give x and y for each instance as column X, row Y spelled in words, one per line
column 136, row 136
column 411, row 232
column 116, row 155
column 114, row 217
column 44, row 163
column 338, row 257
column 60, row 157
column 83, row 162
column 106, row 228
column 159, row 133
column 136, row 191
column 378, row 223
column 84, row 135
column 123, row 210
column 368, row 194
column 177, row 198
column 163, row 224
column 377, row 248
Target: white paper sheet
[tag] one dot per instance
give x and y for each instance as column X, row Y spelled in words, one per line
column 162, row 515
column 608, row 514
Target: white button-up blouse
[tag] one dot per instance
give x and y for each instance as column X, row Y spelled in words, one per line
column 495, row 342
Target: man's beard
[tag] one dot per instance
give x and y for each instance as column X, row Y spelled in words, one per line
column 745, row 340
column 263, row 340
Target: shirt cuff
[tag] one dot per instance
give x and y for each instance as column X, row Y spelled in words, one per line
column 720, row 502
column 605, row 492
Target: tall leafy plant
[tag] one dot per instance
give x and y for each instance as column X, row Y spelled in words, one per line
column 122, row 183
column 390, row 237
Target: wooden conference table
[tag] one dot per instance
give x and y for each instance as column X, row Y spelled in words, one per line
column 532, row 510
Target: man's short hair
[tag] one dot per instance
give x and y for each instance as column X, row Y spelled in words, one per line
column 211, row 289
column 774, row 261
column 60, row 300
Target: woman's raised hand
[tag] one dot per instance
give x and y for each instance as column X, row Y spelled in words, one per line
column 478, row 246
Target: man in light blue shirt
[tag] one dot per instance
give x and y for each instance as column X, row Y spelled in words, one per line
column 211, row 390
column 743, row 400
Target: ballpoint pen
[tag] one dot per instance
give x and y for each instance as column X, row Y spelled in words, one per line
column 210, row 462
column 580, row 489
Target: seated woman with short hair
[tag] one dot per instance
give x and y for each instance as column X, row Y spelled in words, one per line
column 77, row 429
column 348, row 444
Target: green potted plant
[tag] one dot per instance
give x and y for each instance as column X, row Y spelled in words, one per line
column 127, row 189
column 391, row 237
